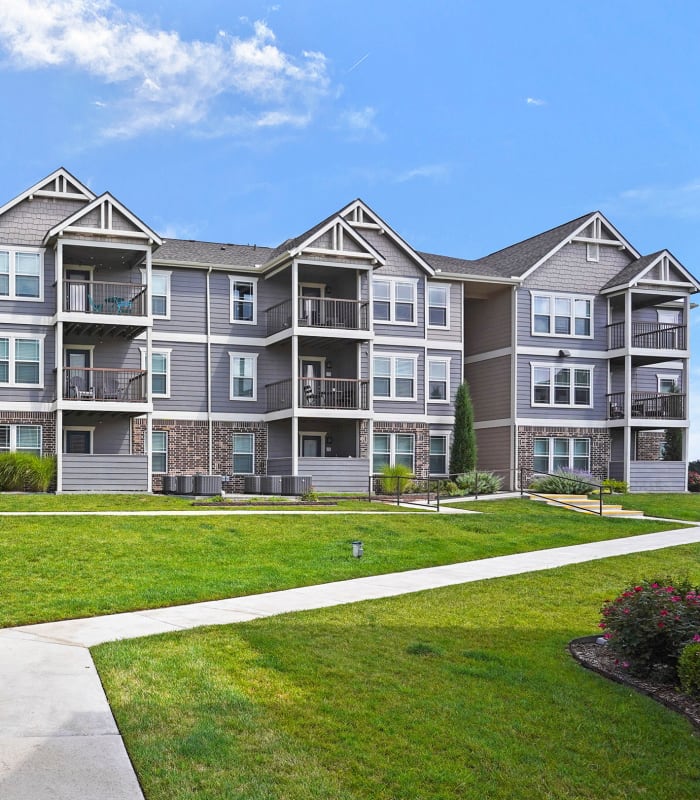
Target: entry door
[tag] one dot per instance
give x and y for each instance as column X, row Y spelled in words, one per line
column 311, row 445
column 310, row 370
column 78, row 385
column 77, row 294
column 311, row 304
column 79, row 442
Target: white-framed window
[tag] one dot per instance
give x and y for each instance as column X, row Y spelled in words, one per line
column 553, row 385
column 438, row 380
column 21, row 360
column 552, row 453
column 21, row 272
column 160, row 373
column 159, row 451
column 394, row 377
column 244, row 378
column 394, row 300
column 438, row 306
column 438, row 454
column 160, row 294
column 393, row 448
column 243, row 453
column 20, row 439
column 243, row 300
column 667, row 384
column 562, row 315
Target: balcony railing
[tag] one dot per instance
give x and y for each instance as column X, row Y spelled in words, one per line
column 98, row 297
column 648, row 405
column 329, row 393
column 319, row 312
column 649, row 335
column 104, row 385
column 341, row 393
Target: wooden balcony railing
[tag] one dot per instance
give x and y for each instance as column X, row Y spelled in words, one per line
column 649, row 335
column 648, row 405
column 98, row 297
column 104, row 385
column 345, row 393
column 319, row 312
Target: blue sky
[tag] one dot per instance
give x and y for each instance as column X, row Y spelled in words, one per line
column 467, row 125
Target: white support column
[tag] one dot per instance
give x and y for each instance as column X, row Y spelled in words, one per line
column 627, row 405
column 59, row 451
column 295, row 367
column 147, row 444
column 58, row 363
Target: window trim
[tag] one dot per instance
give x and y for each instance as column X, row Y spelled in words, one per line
column 167, row 275
column 254, row 357
column 233, row 279
column 570, row 454
column 552, row 367
column 675, row 380
column 164, row 451
column 12, row 337
column 392, row 447
column 448, row 363
column 553, row 297
column 434, row 285
column 393, row 282
column 393, row 357
column 161, row 351
column 440, row 435
column 12, row 274
column 235, row 452
column 14, row 426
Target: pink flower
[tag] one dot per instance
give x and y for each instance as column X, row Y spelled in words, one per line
column 638, row 588
column 625, row 664
column 654, row 585
column 625, row 611
column 602, row 625
column 661, row 625
column 663, row 612
column 696, row 638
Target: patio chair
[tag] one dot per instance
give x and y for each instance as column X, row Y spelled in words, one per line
column 93, row 306
column 79, row 390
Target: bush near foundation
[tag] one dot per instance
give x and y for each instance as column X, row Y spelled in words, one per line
column 689, row 669
column 563, row 481
column 25, row 472
column 694, row 481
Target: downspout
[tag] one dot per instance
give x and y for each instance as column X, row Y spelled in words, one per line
column 210, row 432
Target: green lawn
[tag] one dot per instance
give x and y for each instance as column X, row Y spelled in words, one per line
column 671, row 506
column 63, row 567
column 459, row 693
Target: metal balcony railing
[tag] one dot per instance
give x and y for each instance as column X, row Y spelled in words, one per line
column 104, row 385
column 649, row 335
column 648, row 405
column 340, row 393
column 319, row 312
column 99, row 297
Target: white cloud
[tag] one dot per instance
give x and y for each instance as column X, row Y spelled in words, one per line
column 359, row 123
column 428, row 171
column 679, row 202
column 162, row 80
column 534, row 101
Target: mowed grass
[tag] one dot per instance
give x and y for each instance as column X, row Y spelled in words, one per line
column 459, row 693
column 671, row 506
column 64, row 567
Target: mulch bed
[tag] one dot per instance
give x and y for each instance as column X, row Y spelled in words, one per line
column 598, row 658
column 258, row 504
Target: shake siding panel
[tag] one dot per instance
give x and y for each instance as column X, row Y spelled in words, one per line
column 489, row 386
column 28, row 222
column 487, row 323
column 568, row 271
column 553, row 413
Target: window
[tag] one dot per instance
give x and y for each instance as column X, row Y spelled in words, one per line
column 20, row 274
column 243, row 450
column 160, row 294
column 395, row 377
column 438, row 304
column 20, row 361
column 438, row 380
column 159, row 451
column 561, row 315
column 394, row 300
column 552, row 454
column 243, row 376
column 667, row 385
column 438, row 455
column 20, row 439
column 243, row 301
column 561, row 386
column 393, row 448
column 160, row 363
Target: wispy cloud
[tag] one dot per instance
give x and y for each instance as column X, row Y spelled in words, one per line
column 162, row 81
column 679, row 202
column 535, row 101
column 434, row 172
column 359, row 123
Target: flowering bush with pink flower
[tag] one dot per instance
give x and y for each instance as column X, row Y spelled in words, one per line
column 650, row 623
column 694, row 481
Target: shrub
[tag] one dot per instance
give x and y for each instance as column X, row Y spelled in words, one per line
column 309, row 496
column 449, row 488
column 395, row 478
column 649, row 623
column 689, row 668
column 479, row 482
column 619, row 487
column 563, row 481
column 25, row 472
column 694, row 481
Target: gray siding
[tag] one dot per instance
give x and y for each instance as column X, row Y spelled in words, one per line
column 187, row 303
column 494, row 451
column 111, row 432
column 30, row 395
column 526, row 339
column 490, row 388
column 658, row 476
column 36, row 307
column 279, row 439
column 403, row 406
column 487, row 323
column 454, row 332
column 455, row 373
column 105, row 473
column 28, row 222
column 187, row 377
column 336, row 474
column 568, row 271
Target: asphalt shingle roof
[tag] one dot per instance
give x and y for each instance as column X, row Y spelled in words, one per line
column 633, row 269
column 187, row 251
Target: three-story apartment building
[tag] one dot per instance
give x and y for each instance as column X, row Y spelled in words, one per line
column 335, row 353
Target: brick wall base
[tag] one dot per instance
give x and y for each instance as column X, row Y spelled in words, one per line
column 600, row 446
column 421, row 432
column 46, row 419
column 649, row 444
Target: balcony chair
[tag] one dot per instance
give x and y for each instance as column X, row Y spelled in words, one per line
column 96, row 308
column 79, row 390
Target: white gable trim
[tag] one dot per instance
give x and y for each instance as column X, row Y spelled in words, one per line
column 340, row 228
column 622, row 242
column 60, row 178
column 359, row 215
column 106, row 203
column 639, row 277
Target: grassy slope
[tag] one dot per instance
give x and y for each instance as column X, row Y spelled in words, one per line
column 671, row 506
column 63, row 567
column 460, row 693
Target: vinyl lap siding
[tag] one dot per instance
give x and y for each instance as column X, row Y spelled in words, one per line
column 489, row 385
column 105, row 473
column 487, row 323
column 493, row 451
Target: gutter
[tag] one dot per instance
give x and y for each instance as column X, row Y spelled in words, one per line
column 210, row 433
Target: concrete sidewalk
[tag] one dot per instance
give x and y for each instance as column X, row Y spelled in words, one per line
column 58, row 738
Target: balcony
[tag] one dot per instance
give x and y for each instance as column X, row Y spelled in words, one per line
column 649, row 336
column 648, row 405
column 319, row 312
column 345, row 394
column 105, row 385
column 117, row 309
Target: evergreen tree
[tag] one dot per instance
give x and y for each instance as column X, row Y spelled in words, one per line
column 463, row 455
column 673, row 444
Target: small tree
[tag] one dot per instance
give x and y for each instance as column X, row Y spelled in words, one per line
column 463, row 455
column 673, row 444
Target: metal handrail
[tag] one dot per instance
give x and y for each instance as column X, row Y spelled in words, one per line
column 599, row 486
